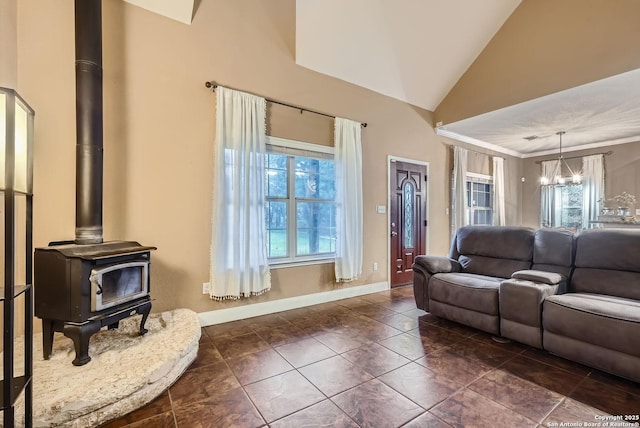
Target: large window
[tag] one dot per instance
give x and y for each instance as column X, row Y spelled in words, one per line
column 300, row 209
column 479, row 199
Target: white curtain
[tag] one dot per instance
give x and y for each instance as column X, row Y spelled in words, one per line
column 459, row 190
column 548, row 192
column 498, row 192
column 592, row 188
column 348, row 167
column 239, row 265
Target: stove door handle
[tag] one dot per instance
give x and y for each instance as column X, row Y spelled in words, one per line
column 93, row 278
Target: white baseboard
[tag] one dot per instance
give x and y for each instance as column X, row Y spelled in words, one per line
column 264, row 308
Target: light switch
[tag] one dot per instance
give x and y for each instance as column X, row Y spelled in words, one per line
column 381, row 209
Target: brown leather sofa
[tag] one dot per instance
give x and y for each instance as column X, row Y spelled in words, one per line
column 577, row 296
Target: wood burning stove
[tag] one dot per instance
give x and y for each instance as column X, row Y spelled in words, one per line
column 82, row 288
column 83, row 285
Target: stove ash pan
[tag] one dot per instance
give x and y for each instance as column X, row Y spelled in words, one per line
column 82, row 288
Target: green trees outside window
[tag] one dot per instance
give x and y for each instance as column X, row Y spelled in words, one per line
column 300, row 209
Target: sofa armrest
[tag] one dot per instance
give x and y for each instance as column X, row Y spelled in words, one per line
column 434, row 264
column 521, row 309
column 539, row 276
column 423, row 268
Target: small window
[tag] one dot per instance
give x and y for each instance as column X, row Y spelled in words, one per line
column 479, row 200
column 566, row 207
column 300, row 210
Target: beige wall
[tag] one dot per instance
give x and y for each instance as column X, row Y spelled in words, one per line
column 622, row 174
column 8, row 44
column 9, row 79
column 544, row 47
column 159, row 130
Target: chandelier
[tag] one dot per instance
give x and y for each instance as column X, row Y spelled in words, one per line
column 558, row 178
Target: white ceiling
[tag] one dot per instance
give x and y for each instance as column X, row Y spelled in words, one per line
column 601, row 113
column 180, row 10
column 388, row 47
column 412, row 50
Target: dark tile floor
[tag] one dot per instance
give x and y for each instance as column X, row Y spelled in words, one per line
column 377, row 361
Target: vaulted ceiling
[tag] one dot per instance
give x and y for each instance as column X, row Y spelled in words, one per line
column 412, row 50
column 418, row 50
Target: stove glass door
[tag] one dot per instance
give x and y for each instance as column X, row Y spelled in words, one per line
column 116, row 284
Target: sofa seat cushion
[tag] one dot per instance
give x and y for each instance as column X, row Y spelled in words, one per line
column 470, row 291
column 607, row 321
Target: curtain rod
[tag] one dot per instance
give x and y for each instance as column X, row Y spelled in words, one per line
column 578, row 157
column 214, row 85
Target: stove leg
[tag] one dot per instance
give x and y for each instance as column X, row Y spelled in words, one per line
column 144, row 310
column 80, row 334
column 47, row 338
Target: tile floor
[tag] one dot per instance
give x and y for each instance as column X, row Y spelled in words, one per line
column 377, row 361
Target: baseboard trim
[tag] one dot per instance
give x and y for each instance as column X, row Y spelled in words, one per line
column 248, row 311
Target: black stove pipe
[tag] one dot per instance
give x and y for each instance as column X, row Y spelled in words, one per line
column 89, row 148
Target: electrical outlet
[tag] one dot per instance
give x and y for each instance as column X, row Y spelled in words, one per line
column 375, row 266
column 205, row 287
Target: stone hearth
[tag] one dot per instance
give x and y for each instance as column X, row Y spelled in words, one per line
column 126, row 370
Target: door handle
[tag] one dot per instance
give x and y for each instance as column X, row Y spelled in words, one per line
column 394, row 233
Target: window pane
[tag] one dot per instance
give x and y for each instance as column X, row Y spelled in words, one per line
column 277, row 243
column 480, row 203
column 303, row 242
column 477, row 217
column 324, row 238
column 276, row 161
column 316, row 214
column 482, row 217
column 483, row 199
column 408, row 214
column 276, row 215
column 276, row 175
column 316, row 227
column 306, row 171
column 571, row 210
column 314, row 178
column 276, row 221
column 327, row 179
column 276, row 183
column 327, row 238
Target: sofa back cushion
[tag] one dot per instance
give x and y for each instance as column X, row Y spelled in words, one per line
column 492, row 266
column 608, row 262
column 554, row 251
column 493, row 250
